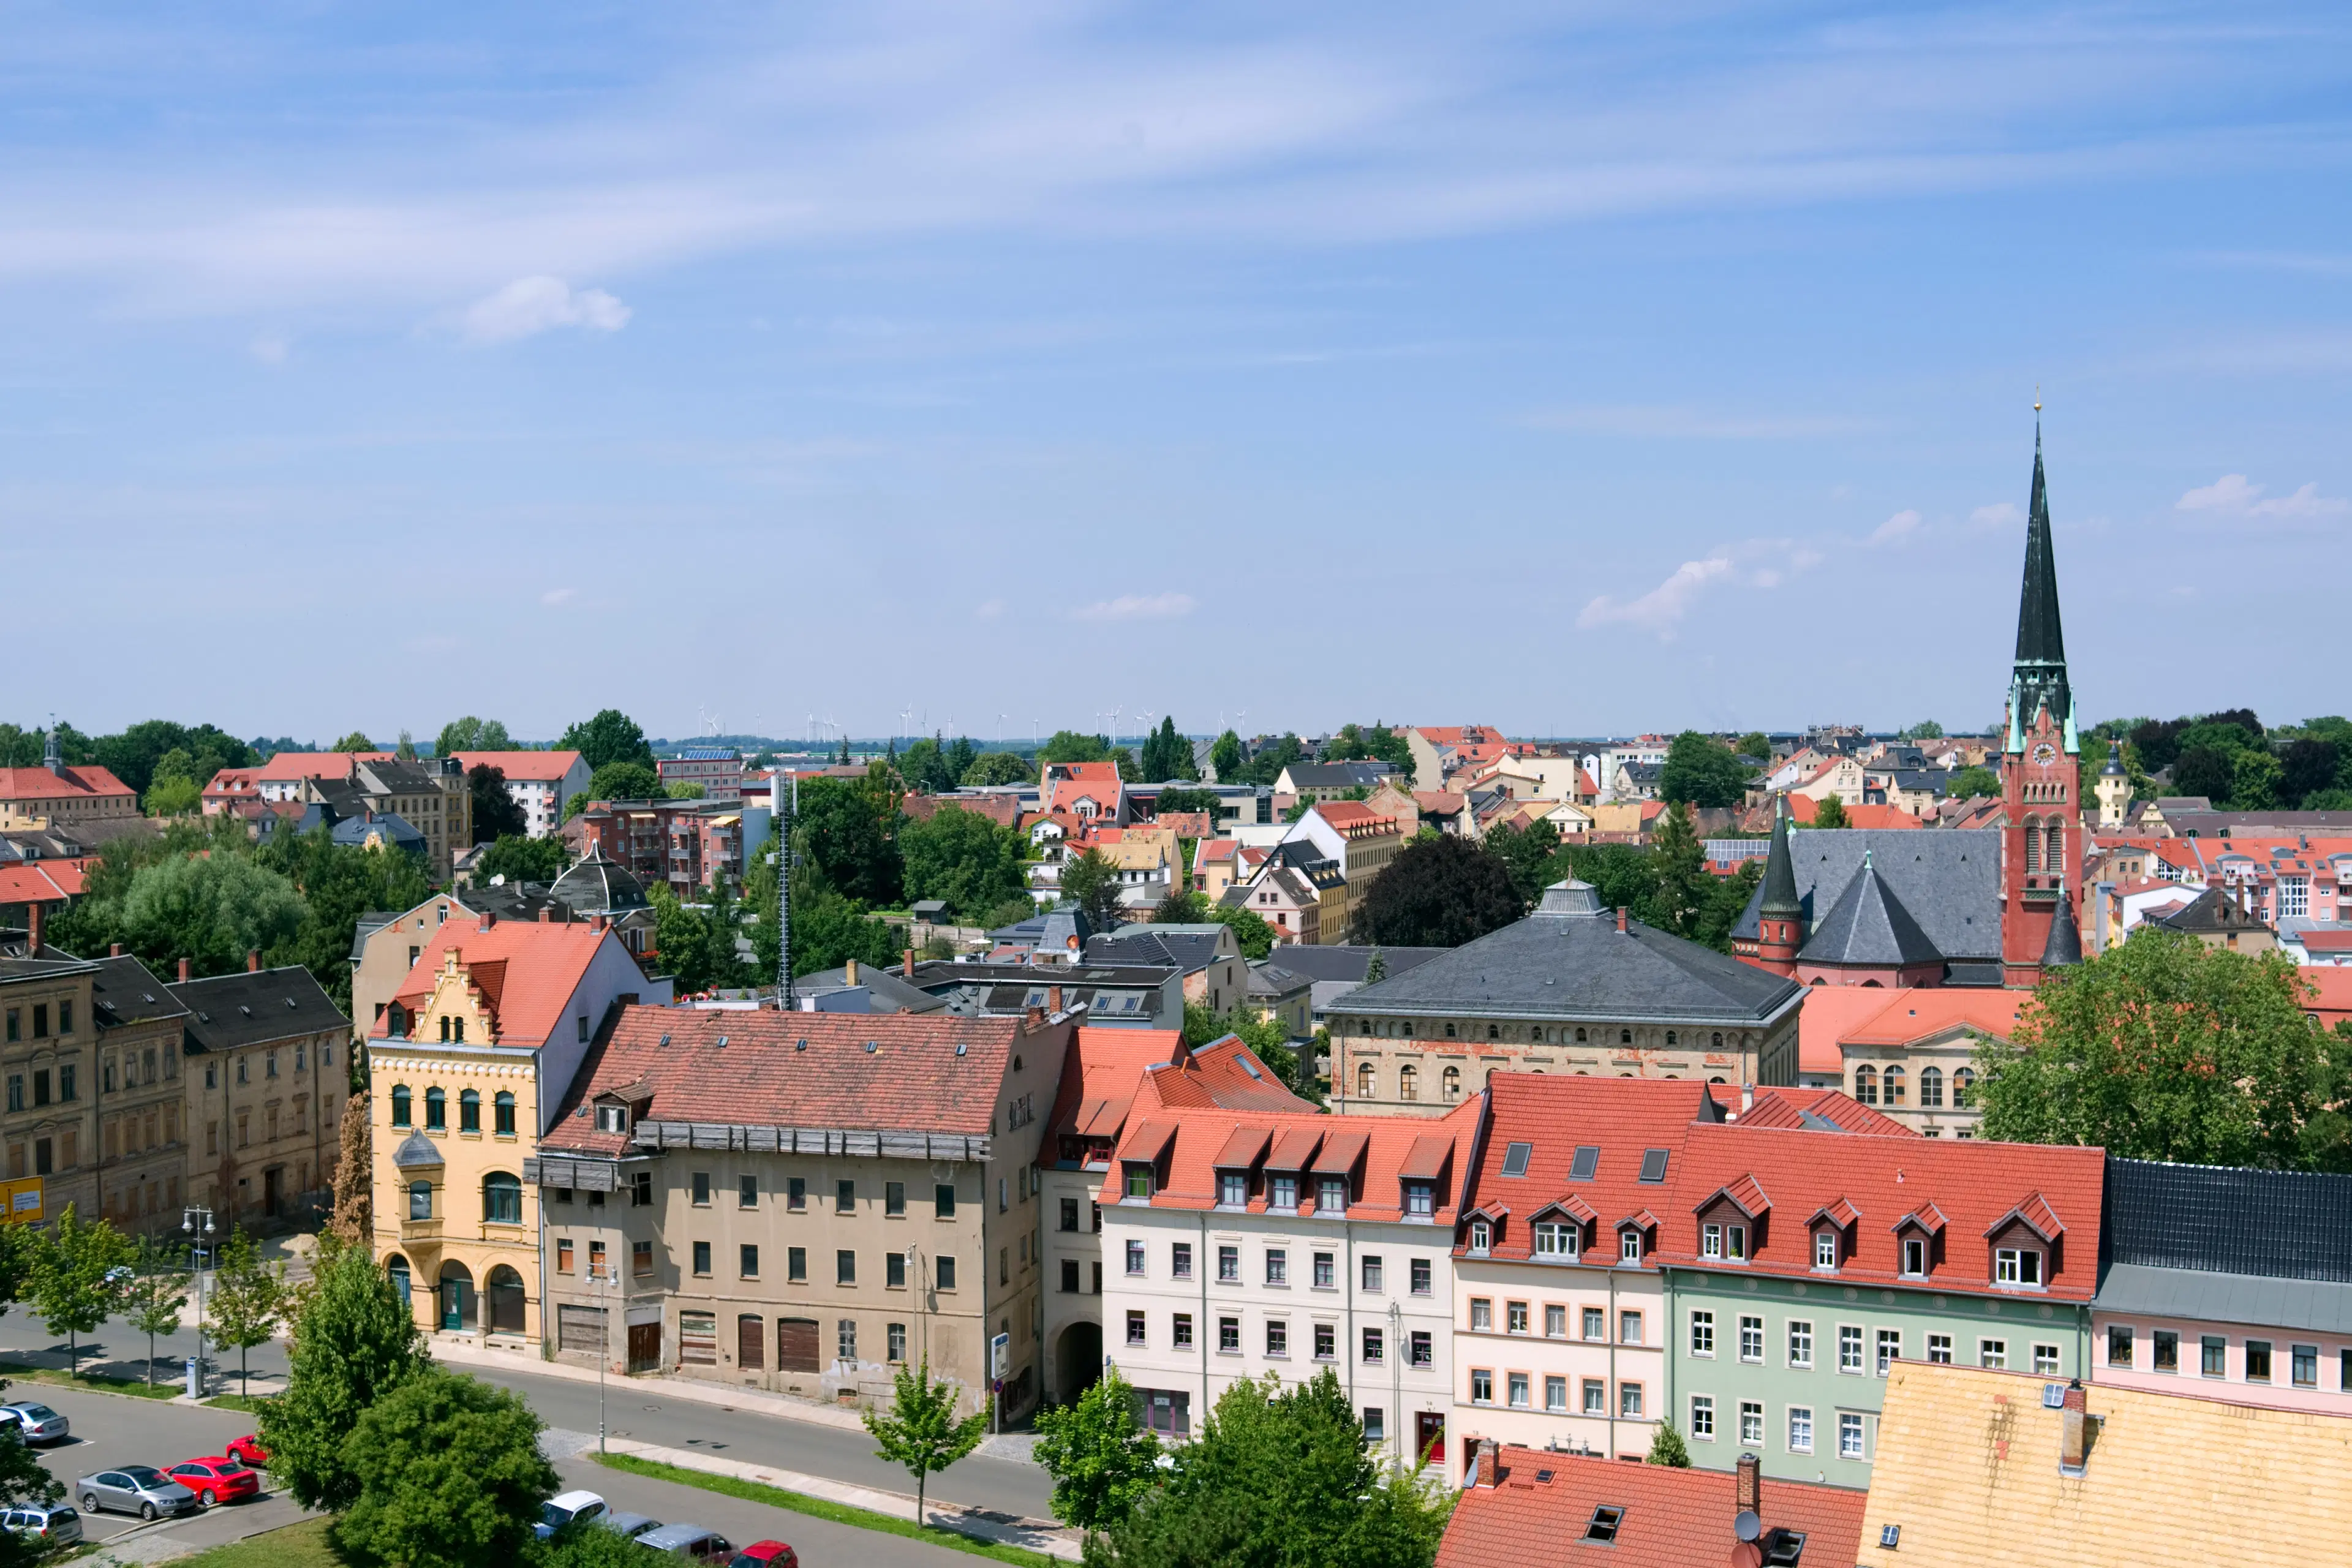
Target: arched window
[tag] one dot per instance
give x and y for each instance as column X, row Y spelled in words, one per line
column 395, row 1269
column 436, row 1111
column 2033, row 844
column 1452, row 1084
column 1891, row 1082
column 445, row 1029
column 1670, row 1036
column 420, row 1200
column 1624, row 1036
column 502, row 1114
column 1494, row 1031
column 400, row 1105
column 469, row 1111
column 1719, row 1041
column 1964, row 1084
column 1931, row 1089
column 1407, row 1088
column 457, row 1030
column 1865, row 1085
column 2055, row 860
column 1579, row 1037
column 1363, row 1081
column 1449, row 1031
column 502, row 1198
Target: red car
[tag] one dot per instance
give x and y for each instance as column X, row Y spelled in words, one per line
column 248, row 1448
column 766, row 1554
column 216, row 1480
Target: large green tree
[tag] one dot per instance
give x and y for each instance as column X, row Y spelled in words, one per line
column 1829, row 812
column 998, row 768
column 612, row 736
column 1090, row 879
column 2162, row 1049
column 136, row 755
column 1225, row 758
column 212, row 909
column 1071, row 746
column 2207, row 771
column 249, row 1299
column 1678, row 862
column 1438, row 892
column 1279, row 1477
column 520, row 859
column 354, row 1342
column 1101, row 1461
column 1166, row 755
column 627, row 779
column 338, row 883
column 1530, row 852
column 77, row 1278
column 496, row 813
column 1374, row 742
column 1251, row 934
column 450, row 1475
column 472, row 734
column 961, row 857
column 846, row 831
column 1968, row 783
column 1701, row 771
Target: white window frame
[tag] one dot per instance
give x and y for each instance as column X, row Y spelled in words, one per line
column 1801, row 1343
column 1751, row 1339
column 1752, row 1423
column 1826, row 1250
column 1850, row 1349
column 1702, row 1418
column 1702, row 1334
column 1801, row 1429
column 1849, row 1436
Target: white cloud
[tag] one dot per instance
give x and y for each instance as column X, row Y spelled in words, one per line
column 554, row 597
column 2234, row 495
column 532, row 305
column 2000, row 514
column 1663, row 606
column 1137, row 608
column 1895, row 528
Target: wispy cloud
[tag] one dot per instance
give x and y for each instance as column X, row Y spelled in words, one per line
column 1137, row 608
column 1660, row 609
column 1896, row 529
column 1667, row 423
column 528, row 306
column 555, row 596
column 1999, row 514
column 2234, row 496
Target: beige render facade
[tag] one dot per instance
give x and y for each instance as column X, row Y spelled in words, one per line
column 47, row 1044
column 267, row 1073
column 140, row 1106
column 454, row 1224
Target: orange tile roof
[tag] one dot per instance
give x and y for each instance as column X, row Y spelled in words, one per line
column 2333, row 984
column 1974, row 1182
column 522, row 767
column 41, row 881
column 1553, row 1116
column 289, row 766
column 527, row 970
column 1789, row 1107
column 1672, row 1518
column 1345, row 813
column 1833, row 1015
column 1803, row 809
column 39, row 783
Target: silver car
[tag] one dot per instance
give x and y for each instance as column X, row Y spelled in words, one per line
column 691, row 1541
column 51, row 1524
column 36, row 1422
column 142, row 1489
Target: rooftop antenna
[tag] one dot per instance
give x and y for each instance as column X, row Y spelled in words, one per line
column 786, row 1000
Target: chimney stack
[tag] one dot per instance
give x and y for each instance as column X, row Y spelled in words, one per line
column 547, row 914
column 1053, row 999
column 33, row 929
column 2074, row 1431
column 490, row 919
column 1621, row 920
column 849, row 971
column 1484, row 1475
column 909, row 970
column 1036, row 1018
column 253, row 960
column 183, row 971
column 1747, row 1096
column 114, row 950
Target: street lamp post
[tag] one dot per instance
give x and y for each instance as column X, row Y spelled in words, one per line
column 197, row 1225
column 1396, row 1379
column 609, row 1275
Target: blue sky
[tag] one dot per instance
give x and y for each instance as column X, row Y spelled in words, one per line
column 1570, row 368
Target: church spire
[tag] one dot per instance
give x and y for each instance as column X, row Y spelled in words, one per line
column 2039, row 675
column 1779, row 874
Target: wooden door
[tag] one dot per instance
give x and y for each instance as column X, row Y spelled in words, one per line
column 751, row 1342
column 1428, row 1434
column 644, row 1347
column 796, row 1344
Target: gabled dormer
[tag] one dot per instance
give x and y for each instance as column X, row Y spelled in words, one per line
column 1637, row 1237
column 2024, row 1245
column 620, row 1108
column 1732, row 1221
column 1482, row 1228
column 1562, row 1232
column 1337, row 1172
column 1833, row 1230
column 1143, row 1162
column 1919, row 1242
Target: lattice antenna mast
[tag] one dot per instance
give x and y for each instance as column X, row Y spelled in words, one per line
column 786, row 802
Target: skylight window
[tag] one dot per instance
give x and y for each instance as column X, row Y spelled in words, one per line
column 1588, row 1161
column 1515, row 1159
column 1653, row 1164
column 1605, row 1521
column 1784, row 1549
column 1248, row 1066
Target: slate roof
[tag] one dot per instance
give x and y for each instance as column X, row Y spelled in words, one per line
column 1185, row 950
column 1337, row 776
column 596, row 884
column 253, row 1008
column 1349, row 962
column 2214, row 909
column 1568, row 960
column 1543, row 1503
column 127, row 992
column 1869, row 925
column 1948, row 881
column 416, row 1150
column 887, row 990
column 2287, row 1225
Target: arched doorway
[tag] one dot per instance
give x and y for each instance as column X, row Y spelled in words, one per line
column 503, row 1295
column 458, row 1306
column 1077, row 1361
column 395, row 1269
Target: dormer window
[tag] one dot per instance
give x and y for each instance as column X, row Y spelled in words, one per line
column 1557, row 1240
column 1723, row 1243
column 1914, row 1257
column 1482, row 1237
column 1232, row 1189
column 1282, row 1193
column 1420, row 1200
column 2017, row 1266
column 1331, row 1197
column 1139, row 1183
column 1825, row 1249
column 1629, row 1247
column 612, row 1119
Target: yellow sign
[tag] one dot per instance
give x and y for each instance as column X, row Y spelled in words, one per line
column 24, row 1200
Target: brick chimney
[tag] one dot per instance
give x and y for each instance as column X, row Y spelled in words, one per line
column 1053, row 999
column 908, row 971
column 1483, row 1470
column 547, row 914
column 1035, row 1018
column 253, row 960
column 490, row 919
column 183, row 971
column 33, row 929
column 1621, row 920
column 1747, row 1487
column 2074, row 1431
column 849, row 973
column 114, row 950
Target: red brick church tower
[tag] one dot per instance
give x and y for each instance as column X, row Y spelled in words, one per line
column 2041, row 838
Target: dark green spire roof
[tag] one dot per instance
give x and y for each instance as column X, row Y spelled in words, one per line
column 2039, row 677
column 1780, row 900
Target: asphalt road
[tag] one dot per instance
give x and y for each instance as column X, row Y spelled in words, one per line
column 110, row 1430
column 633, row 1407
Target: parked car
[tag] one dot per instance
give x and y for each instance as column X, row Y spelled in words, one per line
column 217, row 1480
column 142, row 1489
column 564, row 1509
column 630, row 1525
column 52, row 1523
column 766, row 1554
column 691, row 1541
column 36, row 1422
column 248, row 1448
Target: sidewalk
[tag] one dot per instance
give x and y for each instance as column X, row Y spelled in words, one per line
column 986, row 1524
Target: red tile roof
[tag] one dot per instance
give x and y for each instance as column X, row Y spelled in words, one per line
column 2334, row 985
column 39, row 783
column 41, row 881
column 1972, row 1181
column 927, row 1072
column 1833, row 1015
column 1345, row 813
column 1554, row 1115
column 289, row 766
column 1188, row 1150
column 1100, row 1075
column 1788, row 1108
column 1802, row 810
column 1671, row 1518
column 526, row 970
column 522, row 767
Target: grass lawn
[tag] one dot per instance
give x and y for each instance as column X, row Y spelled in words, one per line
column 303, row 1545
column 236, row 1402
column 165, row 1388
column 818, row 1507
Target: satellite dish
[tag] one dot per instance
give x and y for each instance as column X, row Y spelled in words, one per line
column 1748, row 1526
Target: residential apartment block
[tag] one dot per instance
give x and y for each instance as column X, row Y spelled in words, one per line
column 541, row 784
column 86, row 800
column 140, row 1103
column 266, row 1078
column 48, row 1047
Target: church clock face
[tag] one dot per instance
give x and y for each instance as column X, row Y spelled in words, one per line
column 2044, row 754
